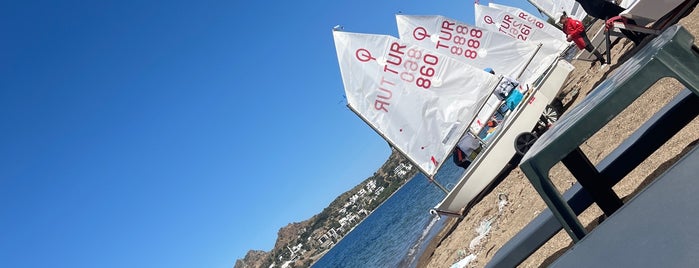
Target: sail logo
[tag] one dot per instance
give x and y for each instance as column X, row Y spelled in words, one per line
column 488, row 20
column 363, row 55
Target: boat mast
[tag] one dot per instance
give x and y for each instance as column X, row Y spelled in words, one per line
column 538, row 47
column 429, row 177
column 539, row 8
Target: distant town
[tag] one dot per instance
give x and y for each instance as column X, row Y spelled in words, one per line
column 301, row 244
column 354, row 210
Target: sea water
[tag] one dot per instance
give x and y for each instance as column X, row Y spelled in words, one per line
column 399, row 230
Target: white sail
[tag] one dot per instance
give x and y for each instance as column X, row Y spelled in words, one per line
column 540, row 24
column 551, row 8
column 524, row 30
column 419, row 100
column 475, row 46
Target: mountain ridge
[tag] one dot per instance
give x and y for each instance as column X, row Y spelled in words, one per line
column 300, row 244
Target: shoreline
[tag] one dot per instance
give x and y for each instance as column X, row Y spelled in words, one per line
column 321, row 254
column 447, row 229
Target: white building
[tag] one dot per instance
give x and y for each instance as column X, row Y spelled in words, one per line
column 402, row 169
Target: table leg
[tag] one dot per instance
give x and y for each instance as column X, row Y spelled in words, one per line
column 608, row 40
column 589, row 177
column 538, row 177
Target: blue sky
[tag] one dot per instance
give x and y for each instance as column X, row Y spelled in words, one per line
column 177, row 133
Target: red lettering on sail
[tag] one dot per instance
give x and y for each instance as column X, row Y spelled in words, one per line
column 459, row 40
column 515, row 27
column 385, row 94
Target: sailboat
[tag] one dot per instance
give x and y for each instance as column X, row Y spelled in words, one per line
column 424, row 119
column 420, row 101
column 511, row 56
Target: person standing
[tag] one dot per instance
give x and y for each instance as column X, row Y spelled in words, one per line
column 604, row 10
column 575, row 31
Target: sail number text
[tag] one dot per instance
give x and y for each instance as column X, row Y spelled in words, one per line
column 417, row 67
column 515, row 28
column 410, row 65
column 458, row 39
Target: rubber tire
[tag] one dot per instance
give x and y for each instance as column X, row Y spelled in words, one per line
column 524, row 141
column 551, row 114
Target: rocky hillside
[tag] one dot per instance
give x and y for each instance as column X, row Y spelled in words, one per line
column 254, row 259
column 300, row 244
column 288, row 233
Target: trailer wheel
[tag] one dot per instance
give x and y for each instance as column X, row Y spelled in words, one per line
column 551, row 114
column 524, row 141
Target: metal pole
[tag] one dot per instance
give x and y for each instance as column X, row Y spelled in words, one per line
column 468, row 127
column 438, row 185
column 540, row 9
column 538, row 47
column 500, row 77
column 608, row 40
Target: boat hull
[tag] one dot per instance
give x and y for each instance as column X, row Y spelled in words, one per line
column 483, row 174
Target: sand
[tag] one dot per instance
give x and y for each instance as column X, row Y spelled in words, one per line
column 523, row 203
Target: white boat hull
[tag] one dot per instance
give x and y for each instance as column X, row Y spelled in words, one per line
column 481, row 174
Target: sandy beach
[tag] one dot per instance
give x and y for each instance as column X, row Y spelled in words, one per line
column 523, row 203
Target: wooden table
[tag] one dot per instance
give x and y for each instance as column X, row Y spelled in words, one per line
column 657, row 228
column 672, row 54
column 642, row 143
